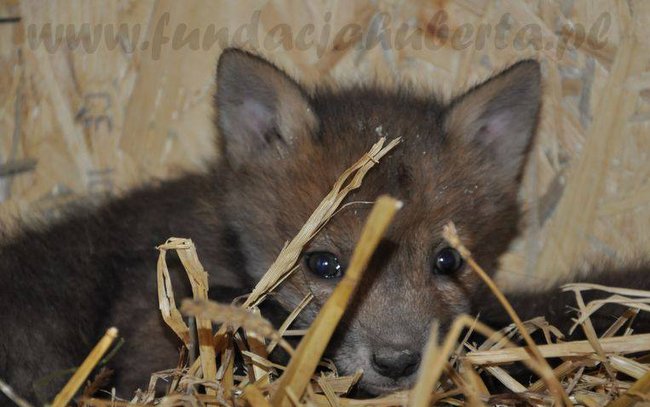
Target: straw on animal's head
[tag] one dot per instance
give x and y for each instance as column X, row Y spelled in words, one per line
column 451, row 372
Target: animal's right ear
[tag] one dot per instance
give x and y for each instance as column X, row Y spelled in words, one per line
column 260, row 109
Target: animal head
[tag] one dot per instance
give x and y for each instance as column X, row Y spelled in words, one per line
column 461, row 161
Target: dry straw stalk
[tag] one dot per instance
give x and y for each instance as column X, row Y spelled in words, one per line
column 76, row 381
column 312, row 346
column 543, row 368
column 448, row 374
column 348, row 181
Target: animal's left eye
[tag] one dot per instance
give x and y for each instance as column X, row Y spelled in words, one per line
column 324, row 264
column 447, row 261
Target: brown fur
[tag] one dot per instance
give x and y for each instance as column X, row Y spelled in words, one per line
column 283, row 150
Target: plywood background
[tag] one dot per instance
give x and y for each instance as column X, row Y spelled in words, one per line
column 83, row 119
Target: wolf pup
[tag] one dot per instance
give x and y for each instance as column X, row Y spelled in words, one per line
column 283, row 148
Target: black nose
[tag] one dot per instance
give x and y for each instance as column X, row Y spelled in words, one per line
column 395, row 363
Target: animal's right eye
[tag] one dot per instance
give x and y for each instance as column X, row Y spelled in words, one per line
column 447, row 261
column 324, row 264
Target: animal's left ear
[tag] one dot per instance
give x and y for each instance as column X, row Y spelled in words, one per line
column 500, row 116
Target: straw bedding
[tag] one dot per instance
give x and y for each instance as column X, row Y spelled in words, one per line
column 590, row 154
column 470, row 366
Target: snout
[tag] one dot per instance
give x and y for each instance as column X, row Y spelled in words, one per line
column 390, row 368
column 395, row 363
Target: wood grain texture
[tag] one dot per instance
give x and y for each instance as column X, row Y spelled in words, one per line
column 85, row 121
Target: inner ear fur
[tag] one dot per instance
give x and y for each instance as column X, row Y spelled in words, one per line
column 260, row 109
column 500, row 116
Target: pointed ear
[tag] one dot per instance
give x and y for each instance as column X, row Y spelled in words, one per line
column 500, row 116
column 259, row 107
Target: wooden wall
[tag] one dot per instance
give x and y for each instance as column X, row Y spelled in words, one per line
column 86, row 120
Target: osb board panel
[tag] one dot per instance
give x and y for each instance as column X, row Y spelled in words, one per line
column 84, row 121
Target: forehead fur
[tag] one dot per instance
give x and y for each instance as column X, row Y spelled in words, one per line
column 438, row 177
column 457, row 162
column 352, row 120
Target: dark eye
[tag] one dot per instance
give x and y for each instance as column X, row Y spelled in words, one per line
column 447, row 261
column 324, row 264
